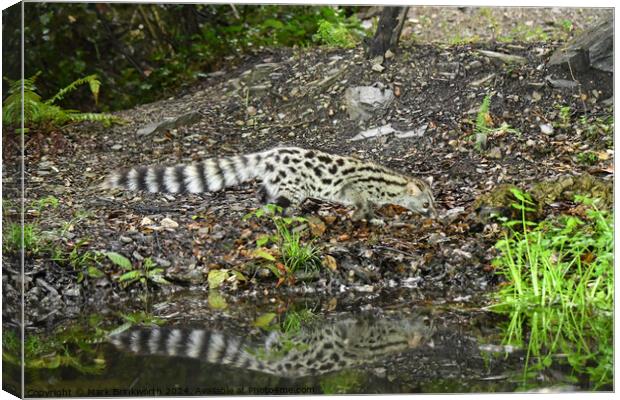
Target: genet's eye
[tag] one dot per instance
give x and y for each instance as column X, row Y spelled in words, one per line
column 425, row 205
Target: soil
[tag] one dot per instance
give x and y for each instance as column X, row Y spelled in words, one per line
column 440, row 86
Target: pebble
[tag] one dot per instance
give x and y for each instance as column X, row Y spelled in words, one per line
column 125, row 239
column 547, row 129
column 168, row 223
column 137, row 256
column 530, row 143
column 117, row 147
column 162, row 262
column 378, row 67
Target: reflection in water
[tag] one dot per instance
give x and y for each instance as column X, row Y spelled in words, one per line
column 314, row 350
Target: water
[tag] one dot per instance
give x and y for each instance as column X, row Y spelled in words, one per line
column 390, row 345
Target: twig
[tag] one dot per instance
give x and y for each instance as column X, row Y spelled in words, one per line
column 235, row 11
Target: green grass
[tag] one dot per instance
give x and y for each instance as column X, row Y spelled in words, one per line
column 12, row 238
column 559, row 289
column 292, row 254
column 566, row 262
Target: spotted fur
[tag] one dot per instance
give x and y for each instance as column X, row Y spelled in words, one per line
column 313, row 351
column 289, row 175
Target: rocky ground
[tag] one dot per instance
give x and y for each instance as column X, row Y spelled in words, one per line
column 543, row 130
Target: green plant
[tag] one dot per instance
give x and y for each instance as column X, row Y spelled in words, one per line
column 587, row 158
column 38, row 112
column 295, row 320
column 338, row 34
column 12, row 238
column 68, row 346
column 559, row 277
column 44, row 202
column 564, row 116
column 567, row 262
column 293, row 254
column 148, row 271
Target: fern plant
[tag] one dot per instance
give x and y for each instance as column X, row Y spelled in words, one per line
column 38, row 112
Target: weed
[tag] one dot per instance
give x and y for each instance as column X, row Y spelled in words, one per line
column 12, row 238
column 45, row 202
column 560, row 282
column 147, row 272
column 564, row 116
column 141, row 318
column 587, row 158
column 295, row 320
column 68, row 346
column 38, row 112
column 525, row 33
column 293, row 254
column 338, row 34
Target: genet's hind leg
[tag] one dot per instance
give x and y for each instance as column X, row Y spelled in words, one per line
column 283, row 197
column 362, row 207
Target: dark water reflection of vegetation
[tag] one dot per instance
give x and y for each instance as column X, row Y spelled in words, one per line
column 442, row 351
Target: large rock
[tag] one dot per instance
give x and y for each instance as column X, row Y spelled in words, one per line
column 587, row 61
column 364, row 101
column 592, row 49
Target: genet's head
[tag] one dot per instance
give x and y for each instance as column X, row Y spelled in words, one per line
column 419, row 198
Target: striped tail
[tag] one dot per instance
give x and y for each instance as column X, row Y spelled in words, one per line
column 207, row 346
column 205, row 176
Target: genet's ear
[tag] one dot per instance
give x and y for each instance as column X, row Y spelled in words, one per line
column 429, row 180
column 413, row 189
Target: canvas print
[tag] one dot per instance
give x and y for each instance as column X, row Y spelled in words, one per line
column 231, row 199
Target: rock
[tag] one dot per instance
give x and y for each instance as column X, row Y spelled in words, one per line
column 505, row 58
column 483, row 80
column 126, row 239
column 363, row 101
column 562, row 83
column 169, row 123
column 251, row 110
column 259, row 72
column 374, row 132
column 547, row 129
column 162, row 262
column 530, row 143
column 146, row 221
column 495, row 152
column 168, row 223
column 377, row 67
column 592, row 49
column 117, row 147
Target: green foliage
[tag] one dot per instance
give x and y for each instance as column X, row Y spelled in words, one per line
column 483, row 117
column 293, row 255
column 44, row 202
column 525, row 33
column 140, row 318
column 338, row 34
column 567, row 262
column 343, row 382
column 145, row 52
column 68, row 346
column 148, row 272
column 564, row 117
column 38, row 112
column 587, row 158
column 295, row 320
column 12, row 238
column 560, row 283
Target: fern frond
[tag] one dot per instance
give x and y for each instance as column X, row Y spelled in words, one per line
column 93, row 84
